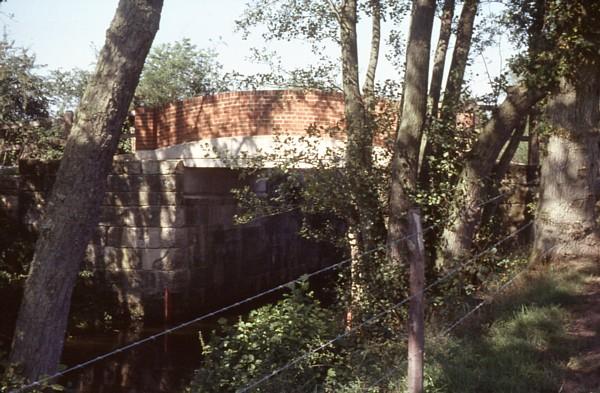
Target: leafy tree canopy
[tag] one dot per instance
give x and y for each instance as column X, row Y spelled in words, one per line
column 179, row 70
column 22, row 92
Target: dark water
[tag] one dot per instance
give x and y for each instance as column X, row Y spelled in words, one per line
column 163, row 365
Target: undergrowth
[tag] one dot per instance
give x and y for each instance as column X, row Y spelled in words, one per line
column 517, row 344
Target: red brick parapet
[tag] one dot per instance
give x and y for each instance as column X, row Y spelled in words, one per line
column 248, row 113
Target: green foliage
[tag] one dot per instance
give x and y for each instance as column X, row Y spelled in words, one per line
column 179, row 70
column 25, row 127
column 22, row 92
column 561, row 37
column 286, row 20
column 510, row 357
column 66, row 88
column 322, row 75
column 267, row 339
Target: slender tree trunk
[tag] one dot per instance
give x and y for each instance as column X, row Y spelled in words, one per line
column 533, row 171
column 435, row 88
column 460, row 57
column 74, row 207
column 565, row 222
column 446, row 130
column 359, row 147
column 444, row 136
column 369, row 84
column 457, row 237
column 410, row 130
column 439, row 61
column 366, row 227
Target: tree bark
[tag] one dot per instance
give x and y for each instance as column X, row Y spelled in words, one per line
column 500, row 170
column 460, row 57
column 457, row 237
column 369, row 85
column 565, row 222
column 74, row 207
column 366, row 227
column 443, row 131
column 439, row 61
column 405, row 161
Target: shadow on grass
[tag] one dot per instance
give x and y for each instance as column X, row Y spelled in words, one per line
column 522, row 347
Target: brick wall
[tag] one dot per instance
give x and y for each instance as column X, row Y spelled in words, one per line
column 249, row 113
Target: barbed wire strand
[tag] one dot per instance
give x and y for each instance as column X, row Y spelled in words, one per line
column 378, row 315
column 153, row 337
column 44, row 380
column 463, row 318
column 495, row 292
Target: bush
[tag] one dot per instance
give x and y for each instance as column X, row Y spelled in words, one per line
column 270, row 337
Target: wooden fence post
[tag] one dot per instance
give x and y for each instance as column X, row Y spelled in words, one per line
column 416, row 305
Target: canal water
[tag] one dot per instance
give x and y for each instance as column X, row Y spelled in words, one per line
column 163, row 365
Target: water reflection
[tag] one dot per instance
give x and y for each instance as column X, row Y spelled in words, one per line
column 163, row 365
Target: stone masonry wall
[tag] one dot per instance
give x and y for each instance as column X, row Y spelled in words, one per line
column 154, row 237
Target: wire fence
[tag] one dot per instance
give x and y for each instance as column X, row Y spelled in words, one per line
column 45, row 380
column 379, row 315
column 459, row 321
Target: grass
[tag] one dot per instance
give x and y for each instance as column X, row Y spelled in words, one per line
column 520, row 345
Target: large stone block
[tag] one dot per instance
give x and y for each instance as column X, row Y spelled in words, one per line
column 118, row 259
column 166, row 259
column 145, row 216
column 142, row 198
column 145, row 283
column 130, row 167
column 164, row 167
column 144, row 183
column 147, row 237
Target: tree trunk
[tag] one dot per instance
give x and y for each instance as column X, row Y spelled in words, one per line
column 443, row 133
column 369, row 85
column 499, row 172
column 435, row 88
column 457, row 237
column 439, row 61
column 460, row 57
column 359, row 147
column 74, row 207
column 565, row 222
column 410, row 130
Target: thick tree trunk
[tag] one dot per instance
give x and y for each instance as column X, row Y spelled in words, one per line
column 457, row 237
column 74, row 206
column 565, row 222
column 405, row 161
